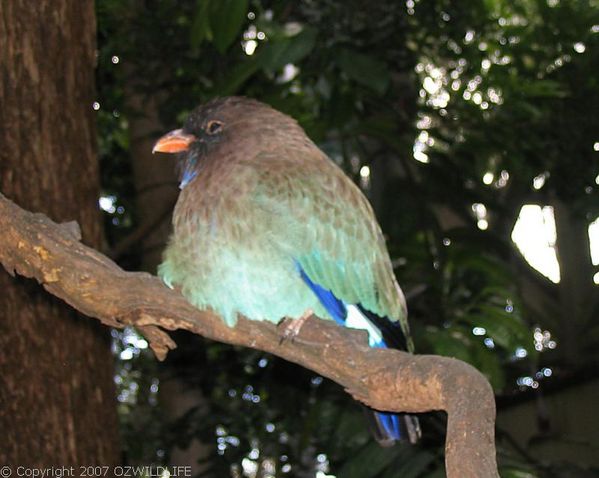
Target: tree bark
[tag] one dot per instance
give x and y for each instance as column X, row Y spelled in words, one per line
column 34, row 246
column 56, row 384
column 155, row 181
column 577, row 294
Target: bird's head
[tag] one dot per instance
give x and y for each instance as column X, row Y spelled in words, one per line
column 220, row 128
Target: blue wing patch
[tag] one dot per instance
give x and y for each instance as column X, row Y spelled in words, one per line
column 334, row 306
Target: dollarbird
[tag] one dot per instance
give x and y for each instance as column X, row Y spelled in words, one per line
column 268, row 227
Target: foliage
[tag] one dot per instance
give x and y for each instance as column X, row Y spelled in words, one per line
column 430, row 95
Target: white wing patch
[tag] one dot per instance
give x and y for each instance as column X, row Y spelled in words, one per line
column 357, row 320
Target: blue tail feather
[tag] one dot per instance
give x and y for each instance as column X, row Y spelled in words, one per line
column 390, row 423
column 387, row 427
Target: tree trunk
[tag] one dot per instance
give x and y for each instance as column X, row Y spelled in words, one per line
column 578, row 294
column 56, row 386
column 154, row 176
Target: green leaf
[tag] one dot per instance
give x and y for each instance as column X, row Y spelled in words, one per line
column 505, row 329
column 226, row 19
column 513, row 473
column 301, row 45
column 488, row 362
column 200, row 28
column 270, row 56
column 240, row 73
column 369, row 462
column 413, row 465
column 364, row 70
column 278, row 53
column 452, row 342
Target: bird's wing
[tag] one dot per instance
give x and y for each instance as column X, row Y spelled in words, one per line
column 320, row 218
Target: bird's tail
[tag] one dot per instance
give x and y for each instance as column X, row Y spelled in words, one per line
column 387, row 428
column 390, row 428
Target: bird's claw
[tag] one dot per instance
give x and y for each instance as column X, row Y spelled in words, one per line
column 291, row 327
column 289, row 330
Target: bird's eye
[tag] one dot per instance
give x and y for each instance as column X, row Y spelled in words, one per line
column 214, row 126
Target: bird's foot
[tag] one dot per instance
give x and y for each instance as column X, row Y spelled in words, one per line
column 290, row 328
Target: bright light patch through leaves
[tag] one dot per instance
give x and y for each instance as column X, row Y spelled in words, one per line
column 107, row 203
column 594, row 242
column 534, row 234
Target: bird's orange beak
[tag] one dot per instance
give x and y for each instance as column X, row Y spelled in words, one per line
column 174, row 142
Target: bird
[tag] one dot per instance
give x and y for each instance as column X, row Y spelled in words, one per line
column 268, row 227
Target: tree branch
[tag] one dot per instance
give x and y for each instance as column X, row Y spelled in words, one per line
column 34, row 246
